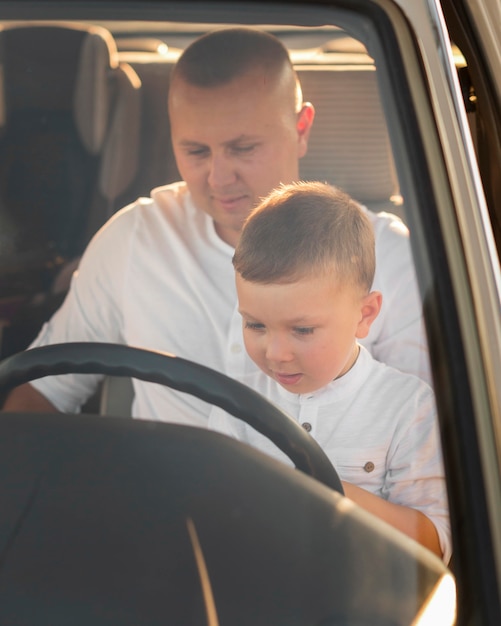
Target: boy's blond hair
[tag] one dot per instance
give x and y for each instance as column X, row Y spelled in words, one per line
column 306, row 229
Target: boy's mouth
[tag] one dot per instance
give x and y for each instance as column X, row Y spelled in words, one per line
column 287, row 379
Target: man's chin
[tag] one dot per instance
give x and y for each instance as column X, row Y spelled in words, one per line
column 229, row 233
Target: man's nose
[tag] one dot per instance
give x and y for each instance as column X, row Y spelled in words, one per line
column 222, row 172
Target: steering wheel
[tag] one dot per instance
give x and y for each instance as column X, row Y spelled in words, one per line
column 183, row 375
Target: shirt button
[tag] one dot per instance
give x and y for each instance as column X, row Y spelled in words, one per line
column 236, row 348
column 369, row 466
column 306, row 426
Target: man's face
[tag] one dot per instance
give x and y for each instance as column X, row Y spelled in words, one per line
column 303, row 334
column 234, row 143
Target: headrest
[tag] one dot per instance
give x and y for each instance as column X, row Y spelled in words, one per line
column 121, row 150
column 74, row 68
column 59, row 67
column 349, row 144
column 95, row 85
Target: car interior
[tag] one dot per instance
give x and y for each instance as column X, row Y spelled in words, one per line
column 113, row 521
column 100, row 99
column 83, row 118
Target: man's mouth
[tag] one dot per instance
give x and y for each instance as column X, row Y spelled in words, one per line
column 230, row 202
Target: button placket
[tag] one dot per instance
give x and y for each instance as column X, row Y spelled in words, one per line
column 307, row 416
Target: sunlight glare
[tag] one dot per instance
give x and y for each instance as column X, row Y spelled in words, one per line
column 441, row 606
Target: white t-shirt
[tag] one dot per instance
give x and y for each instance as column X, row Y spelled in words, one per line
column 379, row 428
column 397, row 336
column 158, row 276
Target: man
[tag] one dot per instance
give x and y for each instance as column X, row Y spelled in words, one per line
column 159, row 274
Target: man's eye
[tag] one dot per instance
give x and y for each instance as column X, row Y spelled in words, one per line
column 197, row 152
column 304, row 330
column 244, row 149
column 254, row 326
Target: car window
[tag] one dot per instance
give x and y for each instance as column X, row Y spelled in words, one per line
column 404, row 126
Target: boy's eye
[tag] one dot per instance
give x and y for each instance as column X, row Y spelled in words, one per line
column 304, row 330
column 254, row 326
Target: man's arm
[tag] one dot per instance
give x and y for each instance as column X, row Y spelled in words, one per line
column 27, row 398
column 411, row 522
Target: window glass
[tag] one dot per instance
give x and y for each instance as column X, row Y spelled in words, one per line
column 78, row 149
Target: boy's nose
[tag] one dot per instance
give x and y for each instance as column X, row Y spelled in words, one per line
column 278, row 350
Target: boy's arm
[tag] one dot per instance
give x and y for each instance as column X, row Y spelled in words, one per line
column 411, row 522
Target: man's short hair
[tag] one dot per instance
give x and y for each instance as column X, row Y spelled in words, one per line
column 305, row 229
column 220, row 56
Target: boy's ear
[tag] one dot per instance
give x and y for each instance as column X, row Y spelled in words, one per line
column 371, row 305
column 304, row 123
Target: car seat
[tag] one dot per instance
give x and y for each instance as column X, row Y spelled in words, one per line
column 69, row 142
column 349, row 145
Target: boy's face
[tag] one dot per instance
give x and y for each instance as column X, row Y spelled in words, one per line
column 234, row 143
column 303, row 334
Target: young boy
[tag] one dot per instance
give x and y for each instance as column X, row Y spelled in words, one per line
column 304, row 269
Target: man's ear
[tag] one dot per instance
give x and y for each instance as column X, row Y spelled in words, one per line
column 304, row 123
column 371, row 305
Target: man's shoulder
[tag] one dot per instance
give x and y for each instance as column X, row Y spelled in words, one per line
column 167, row 201
column 173, row 193
column 165, row 204
column 385, row 223
column 388, row 379
column 171, row 196
column 391, row 235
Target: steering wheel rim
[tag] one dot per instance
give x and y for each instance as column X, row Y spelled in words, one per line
column 183, row 375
